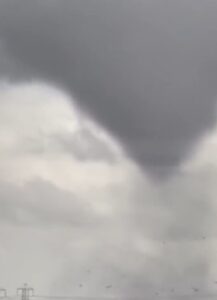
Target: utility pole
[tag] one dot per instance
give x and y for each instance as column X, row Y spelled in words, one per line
column 3, row 293
column 25, row 292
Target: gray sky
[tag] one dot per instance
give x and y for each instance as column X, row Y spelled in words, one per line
column 108, row 146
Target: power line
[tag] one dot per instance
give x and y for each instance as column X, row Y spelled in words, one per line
column 25, row 292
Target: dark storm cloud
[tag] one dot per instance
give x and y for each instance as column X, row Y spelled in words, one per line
column 146, row 70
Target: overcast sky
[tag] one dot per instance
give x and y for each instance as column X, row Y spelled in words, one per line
column 108, row 142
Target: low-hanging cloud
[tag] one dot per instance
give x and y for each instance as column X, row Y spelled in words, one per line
column 145, row 70
column 39, row 203
column 96, row 228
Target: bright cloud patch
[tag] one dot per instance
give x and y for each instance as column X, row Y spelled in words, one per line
column 42, row 135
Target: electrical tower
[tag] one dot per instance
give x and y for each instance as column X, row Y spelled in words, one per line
column 3, row 293
column 25, row 292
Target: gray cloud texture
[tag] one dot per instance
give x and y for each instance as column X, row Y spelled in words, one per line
column 40, row 203
column 176, row 219
column 82, row 144
column 146, row 70
column 134, row 253
column 85, row 146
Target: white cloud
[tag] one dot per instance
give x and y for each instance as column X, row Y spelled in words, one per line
column 32, row 116
column 131, row 233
